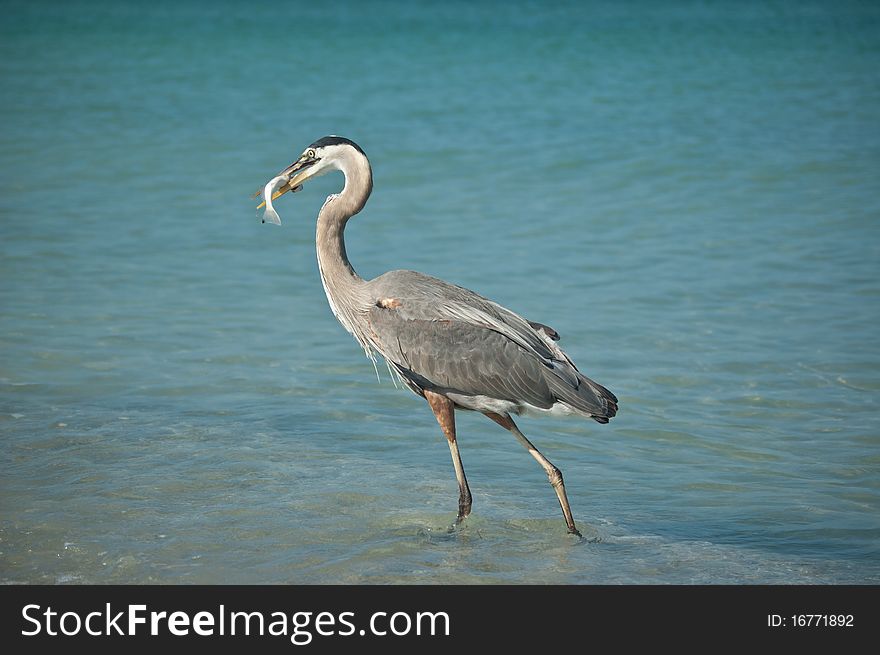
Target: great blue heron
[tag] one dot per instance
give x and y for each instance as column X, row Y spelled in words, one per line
column 448, row 344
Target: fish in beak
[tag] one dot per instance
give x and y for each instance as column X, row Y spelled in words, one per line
column 290, row 179
column 270, row 191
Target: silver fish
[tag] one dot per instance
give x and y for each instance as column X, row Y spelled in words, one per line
column 270, row 215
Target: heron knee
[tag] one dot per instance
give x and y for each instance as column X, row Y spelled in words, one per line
column 555, row 476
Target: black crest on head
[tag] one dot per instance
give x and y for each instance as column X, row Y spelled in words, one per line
column 335, row 141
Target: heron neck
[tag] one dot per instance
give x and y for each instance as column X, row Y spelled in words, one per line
column 332, row 258
column 341, row 281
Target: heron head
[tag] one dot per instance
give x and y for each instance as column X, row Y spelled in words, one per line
column 324, row 155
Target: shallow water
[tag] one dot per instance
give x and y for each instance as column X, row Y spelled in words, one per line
column 687, row 194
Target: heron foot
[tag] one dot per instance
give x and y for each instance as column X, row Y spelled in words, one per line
column 464, row 510
column 457, row 525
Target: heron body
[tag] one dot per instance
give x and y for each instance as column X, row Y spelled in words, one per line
column 448, row 344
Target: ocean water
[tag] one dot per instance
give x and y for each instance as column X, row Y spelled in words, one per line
column 687, row 191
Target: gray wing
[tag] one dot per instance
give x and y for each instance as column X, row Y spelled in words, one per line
column 422, row 297
column 446, row 338
column 445, row 355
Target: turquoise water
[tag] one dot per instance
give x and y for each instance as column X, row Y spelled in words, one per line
column 687, row 191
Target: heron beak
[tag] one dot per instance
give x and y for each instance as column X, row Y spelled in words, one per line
column 297, row 173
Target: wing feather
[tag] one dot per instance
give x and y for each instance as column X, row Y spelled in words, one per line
column 443, row 337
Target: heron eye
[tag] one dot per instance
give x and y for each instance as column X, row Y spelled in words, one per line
column 310, row 153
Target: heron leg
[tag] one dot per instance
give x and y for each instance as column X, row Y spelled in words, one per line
column 553, row 473
column 444, row 411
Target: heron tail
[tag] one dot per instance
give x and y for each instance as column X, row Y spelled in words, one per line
column 588, row 397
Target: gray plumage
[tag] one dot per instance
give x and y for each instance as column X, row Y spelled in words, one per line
column 449, row 339
column 448, row 344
